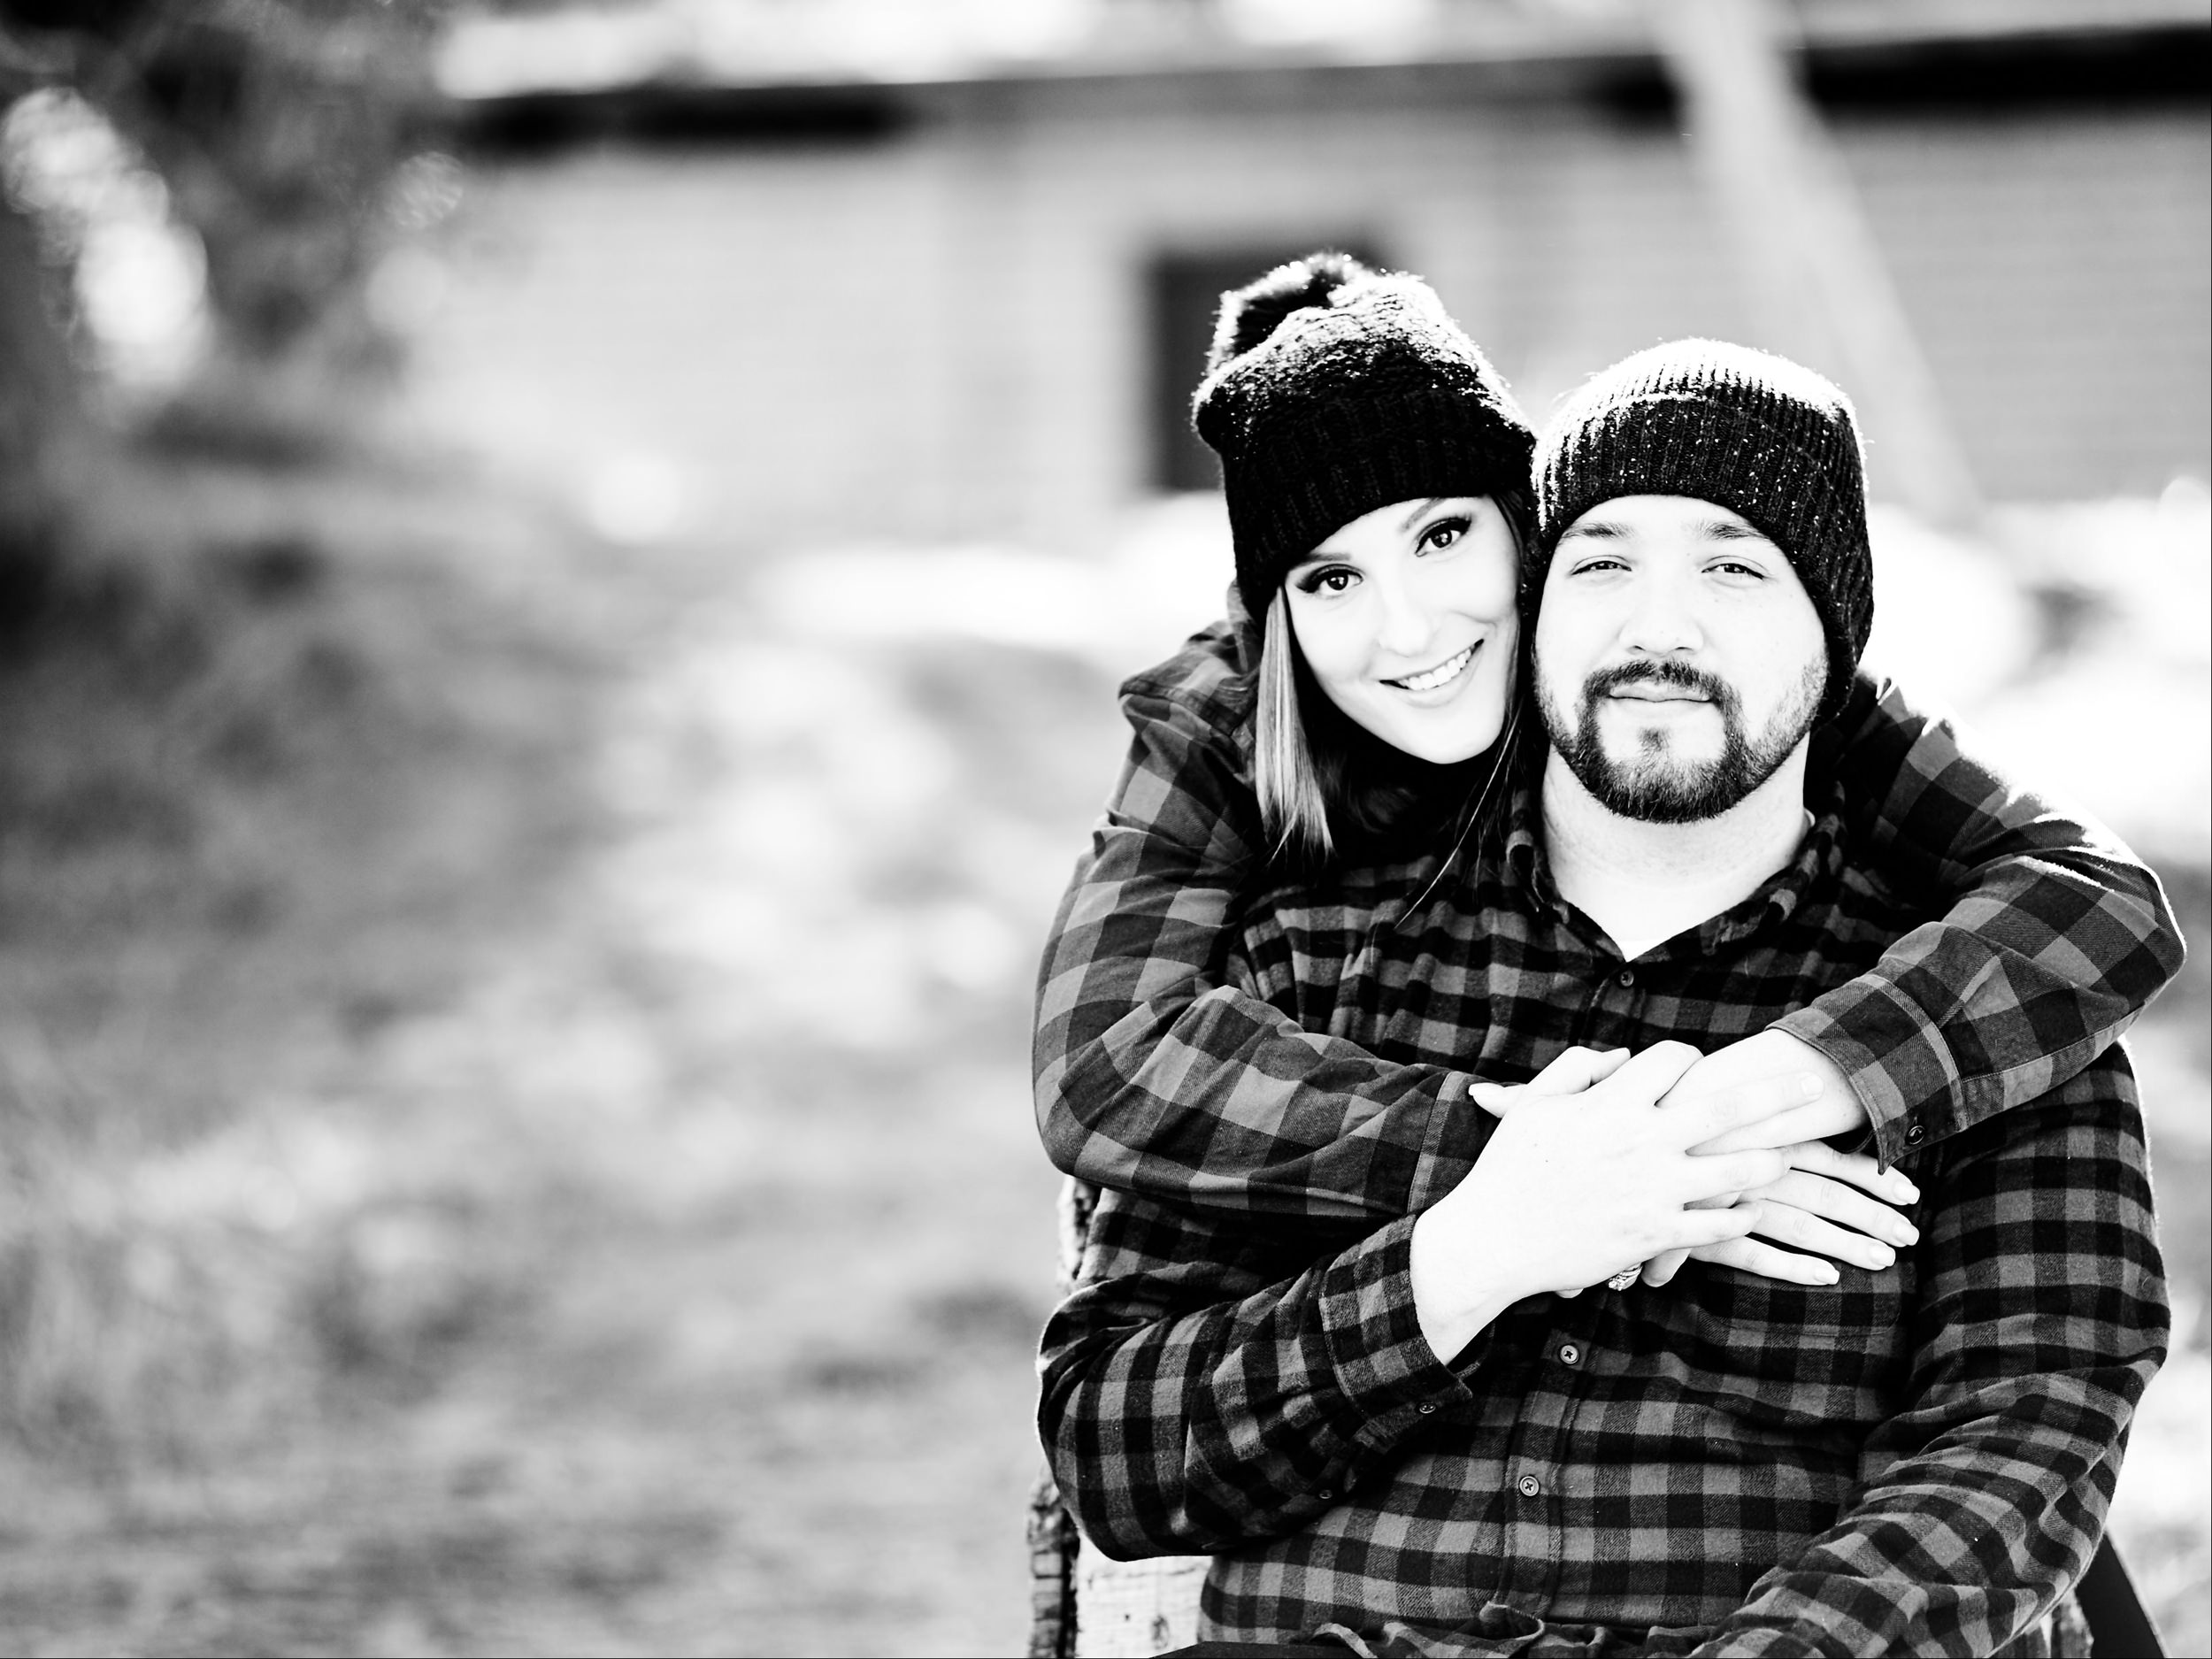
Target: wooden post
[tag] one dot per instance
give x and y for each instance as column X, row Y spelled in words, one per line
column 1814, row 274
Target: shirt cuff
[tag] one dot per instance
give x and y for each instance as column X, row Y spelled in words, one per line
column 1428, row 1179
column 1390, row 1378
column 1893, row 1056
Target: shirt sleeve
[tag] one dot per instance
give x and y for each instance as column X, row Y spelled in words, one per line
column 1212, row 1383
column 2055, row 936
column 1153, row 1074
column 2041, row 1316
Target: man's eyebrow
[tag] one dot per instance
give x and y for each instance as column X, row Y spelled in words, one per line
column 1726, row 530
column 1599, row 526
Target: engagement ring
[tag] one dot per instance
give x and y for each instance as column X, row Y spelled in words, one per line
column 1622, row 1280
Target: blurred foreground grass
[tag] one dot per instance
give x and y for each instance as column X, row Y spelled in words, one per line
column 514, row 1075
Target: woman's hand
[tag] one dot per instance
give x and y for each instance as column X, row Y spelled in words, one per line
column 1779, row 1090
column 1792, row 1094
column 1569, row 1074
column 1791, row 1091
column 1783, row 1092
column 1821, row 1205
column 1578, row 1188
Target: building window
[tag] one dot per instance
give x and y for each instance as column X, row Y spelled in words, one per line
column 1184, row 290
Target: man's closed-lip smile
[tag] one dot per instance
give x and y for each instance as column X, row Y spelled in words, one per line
column 1655, row 691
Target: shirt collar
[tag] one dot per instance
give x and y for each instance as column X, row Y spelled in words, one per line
column 1819, row 855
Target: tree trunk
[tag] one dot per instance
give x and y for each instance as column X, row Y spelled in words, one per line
column 42, row 415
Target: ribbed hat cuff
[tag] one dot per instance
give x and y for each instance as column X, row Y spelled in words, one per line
column 1297, row 482
column 1705, row 449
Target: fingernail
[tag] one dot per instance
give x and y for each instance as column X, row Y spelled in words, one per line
column 1808, row 1085
column 1903, row 1188
column 1903, row 1232
column 1879, row 1256
column 1828, row 1275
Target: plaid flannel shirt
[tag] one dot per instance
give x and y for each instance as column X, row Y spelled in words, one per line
column 1154, row 1074
column 1914, row 1461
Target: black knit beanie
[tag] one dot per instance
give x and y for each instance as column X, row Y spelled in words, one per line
column 1332, row 390
column 1762, row 436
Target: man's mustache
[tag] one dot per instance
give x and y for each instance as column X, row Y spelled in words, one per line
column 1679, row 676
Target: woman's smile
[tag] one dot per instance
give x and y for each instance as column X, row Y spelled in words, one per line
column 1436, row 679
column 1428, row 584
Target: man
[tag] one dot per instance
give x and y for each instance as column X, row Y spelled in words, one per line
column 1419, row 1438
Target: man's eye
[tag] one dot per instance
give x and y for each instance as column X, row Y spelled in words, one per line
column 1332, row 580
column 1597, row 566
column 1736, row 567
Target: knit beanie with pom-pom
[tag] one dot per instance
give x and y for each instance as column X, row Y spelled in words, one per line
column 1767, row 438
column 1332, row 390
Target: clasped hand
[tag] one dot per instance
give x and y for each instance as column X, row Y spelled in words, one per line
column 1582, row 1179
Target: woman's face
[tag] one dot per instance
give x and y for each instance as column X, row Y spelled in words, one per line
column 1406, row 616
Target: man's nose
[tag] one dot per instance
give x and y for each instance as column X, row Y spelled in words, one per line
column 1663, row 620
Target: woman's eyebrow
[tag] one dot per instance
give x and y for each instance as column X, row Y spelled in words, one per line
column 1427, row 506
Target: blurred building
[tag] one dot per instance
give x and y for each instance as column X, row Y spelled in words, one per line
column 842, row 279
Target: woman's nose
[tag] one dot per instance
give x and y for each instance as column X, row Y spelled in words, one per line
column 1405, row 625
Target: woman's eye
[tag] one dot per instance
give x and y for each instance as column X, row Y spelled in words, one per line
column 1333, row 579
column 1443, row 534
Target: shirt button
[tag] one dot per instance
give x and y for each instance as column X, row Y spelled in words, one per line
column 1327, row 1494
column 1626, row 976
column 1570, row 1355
column 1915, row 1133
column 1428, row 1408
column 1528, row 1486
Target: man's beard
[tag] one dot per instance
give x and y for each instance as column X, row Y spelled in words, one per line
column 1658, row 787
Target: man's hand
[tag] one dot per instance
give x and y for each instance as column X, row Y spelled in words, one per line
column 1574, row 1191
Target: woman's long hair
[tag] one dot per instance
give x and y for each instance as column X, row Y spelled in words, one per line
column 1326, row 783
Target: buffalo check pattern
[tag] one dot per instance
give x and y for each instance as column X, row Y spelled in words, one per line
column 1159, row 1073
column 1914, row 1461
column 2042, row 937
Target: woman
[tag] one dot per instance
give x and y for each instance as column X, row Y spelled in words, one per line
column 1359, row 716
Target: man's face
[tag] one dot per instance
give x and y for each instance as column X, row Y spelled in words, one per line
column 1679, row 661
